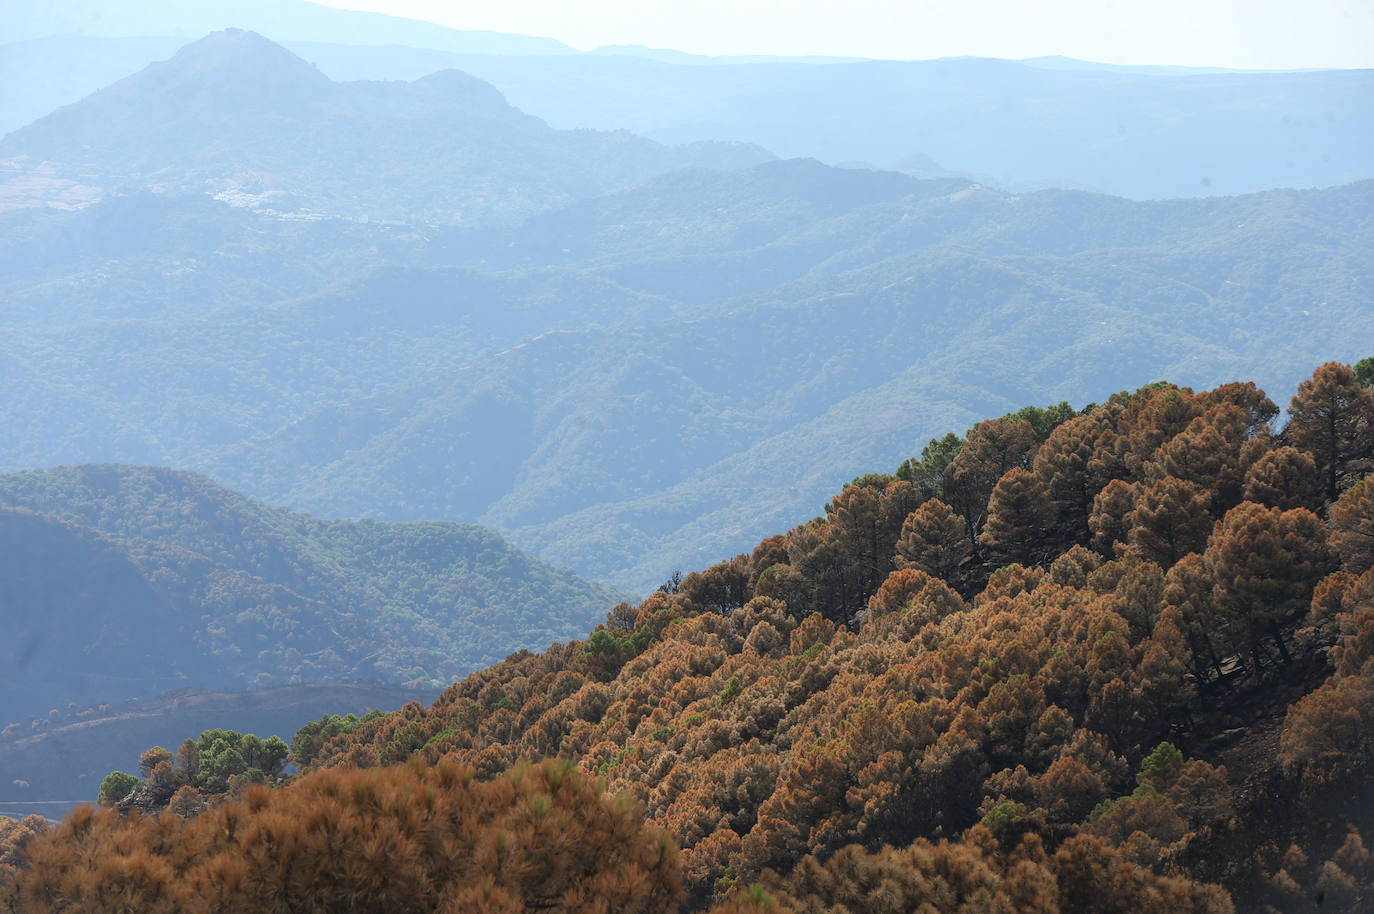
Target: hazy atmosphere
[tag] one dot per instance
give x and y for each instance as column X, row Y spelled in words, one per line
column 1264, row 34
column 716, row 458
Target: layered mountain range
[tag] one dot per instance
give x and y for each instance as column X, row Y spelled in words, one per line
column 612, row 377
column 1142, row 132
column 240, row 116
column 1087, row 657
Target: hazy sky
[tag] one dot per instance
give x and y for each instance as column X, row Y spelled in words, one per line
column 1227, row 33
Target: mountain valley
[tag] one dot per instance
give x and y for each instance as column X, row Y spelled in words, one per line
column 460, row 471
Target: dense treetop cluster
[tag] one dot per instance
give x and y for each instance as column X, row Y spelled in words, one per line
column 405, row 839
column 1004, row 631
column 1116, row 659
column 219, row 764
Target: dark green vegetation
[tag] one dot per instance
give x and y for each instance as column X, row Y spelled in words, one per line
column 215, row 764
column 218, row 765
column 52, row 766
column 307, row 742
column 123, row 582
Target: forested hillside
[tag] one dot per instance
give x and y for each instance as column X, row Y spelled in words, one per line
column 1071, row 644
column 1106, row 660
column 724, row 421
column 637, row 382
column 443, row 313
column 123, row 582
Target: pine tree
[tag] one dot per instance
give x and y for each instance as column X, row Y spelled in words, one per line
column 1109, row 520
column 933, row 540
column 1284, row 477
column 1265, row 564
column 1352, row 527
column 1171, row 519
column 1332, row 415
column 1018, row 515
column 1069, row 474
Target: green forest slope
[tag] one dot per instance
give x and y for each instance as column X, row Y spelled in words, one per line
column 627, row 358
column 619, row 410
column 123, row 582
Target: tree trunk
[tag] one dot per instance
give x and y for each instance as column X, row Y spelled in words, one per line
column 1283, row 648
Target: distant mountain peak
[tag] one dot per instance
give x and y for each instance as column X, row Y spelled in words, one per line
column 920, row 165
column 234, row 110
column 249, row 56
column 455, row 85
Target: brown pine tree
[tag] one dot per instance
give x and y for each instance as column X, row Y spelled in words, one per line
column 721, row 588
column 1332, row 416
column 1207, row 454
column 15, row 835
column 1352, row 527
column 404, row 839
column 1265, row 564
column 1284, row 477
column 1147, row 419
column 1165, row 659
column 1069, row 790
column 933, row 540
column 819, row 574
column 993, row 447
column 1069, row 473
column 1188, row 587
column 1111, row 508
column 867, row 519
column 1258, row 409
column 1018, row 516
column 1171, row 519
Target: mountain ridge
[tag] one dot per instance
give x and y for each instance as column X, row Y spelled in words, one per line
column 234, row 113
column 1271, row 128
column 751, row 316
column 217, row 590
column 1035, row 639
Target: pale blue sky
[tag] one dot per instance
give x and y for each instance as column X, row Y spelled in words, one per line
column 1226, row 33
